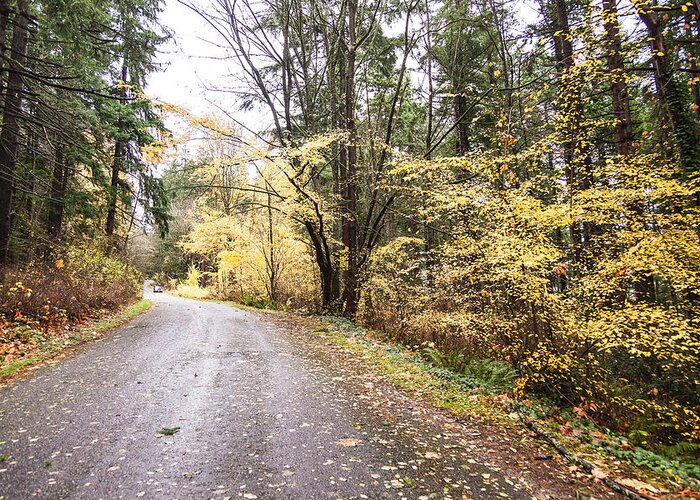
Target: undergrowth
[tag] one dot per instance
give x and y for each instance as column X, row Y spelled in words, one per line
column 75, row 285
column 465, row 384
column 191, row 291
column 257, row 302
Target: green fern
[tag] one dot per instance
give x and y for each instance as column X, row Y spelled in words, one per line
column 490, row 375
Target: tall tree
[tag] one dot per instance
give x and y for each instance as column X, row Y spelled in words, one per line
column 11, row 115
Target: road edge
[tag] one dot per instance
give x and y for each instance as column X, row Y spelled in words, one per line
column 81, row 335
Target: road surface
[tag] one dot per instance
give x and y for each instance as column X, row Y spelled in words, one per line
column 254, row 415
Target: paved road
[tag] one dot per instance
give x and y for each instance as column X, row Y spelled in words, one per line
column 258, row 417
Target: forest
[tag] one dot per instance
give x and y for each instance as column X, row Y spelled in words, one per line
column 515, row 184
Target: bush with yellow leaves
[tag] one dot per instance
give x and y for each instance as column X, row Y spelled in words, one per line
column 591, row 294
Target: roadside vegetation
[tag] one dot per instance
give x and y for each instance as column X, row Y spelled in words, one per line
column 518, row 196
column 24, row 347
column 78, row 145
column 520, row 199
column 481, row 391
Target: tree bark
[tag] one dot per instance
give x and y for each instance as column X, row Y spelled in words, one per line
column 9, row 136
column 348, row 168
column 662, row 73
column 616, row 65
column 111, row 223
column 694, row 51
column 4, row 19
column 677, row 125
column 577, row 160
column 117, row 168
column 59, row 184
column 273, row 256
column 431, row 90
column 460, row 107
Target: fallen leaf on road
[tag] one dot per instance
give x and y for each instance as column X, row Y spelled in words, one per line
column 348, row 442
column 168, row 431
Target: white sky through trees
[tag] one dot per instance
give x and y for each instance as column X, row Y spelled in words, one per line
column 196, row 70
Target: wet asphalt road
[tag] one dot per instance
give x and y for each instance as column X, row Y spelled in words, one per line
column 259, row 417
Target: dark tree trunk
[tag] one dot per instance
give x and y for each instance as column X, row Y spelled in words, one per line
column 27, row 229
column 694, row 52
column 327, row 274
column 677, row 124
column 4, row 19
column 348, row 169
column 564, row 54
column 616, row 65
column 119, row 149
column 662, row 72
column 577, row 159
column 273, row 257
column 462, row 130
column 57, row 203
column 9, row 137
column 117, row 168
column 431, row 91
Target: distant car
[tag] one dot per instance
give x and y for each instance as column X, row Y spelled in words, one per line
column 157, row 289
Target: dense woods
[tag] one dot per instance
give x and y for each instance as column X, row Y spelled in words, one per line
column 76, row 148
column 481, row 180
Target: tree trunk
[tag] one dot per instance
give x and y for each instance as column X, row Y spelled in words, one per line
column 117, row 167
column 677, row 124
column 327, row 274
column 9, row 137
column 616, row 65
column 431, row 90
column 59, row 184
column 460, row 106
column 564, row 55
column 287, row 73
column 348, row 169
column 693, row 52
column 4, row 19
column 119, row 149
column 662, row 72
column 273, row 256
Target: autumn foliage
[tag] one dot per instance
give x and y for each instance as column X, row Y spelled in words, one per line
column 613, row 326
column 521, row 195
column 41, row 300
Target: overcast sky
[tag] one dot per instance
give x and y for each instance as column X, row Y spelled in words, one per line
column 185, row 60
column 191, row 63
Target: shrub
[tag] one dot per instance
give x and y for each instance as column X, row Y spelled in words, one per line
column 77, row 284
column 191, row 291
column 190, row 287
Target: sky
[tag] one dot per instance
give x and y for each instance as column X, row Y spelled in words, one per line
column 185, row 61
column 192, row 66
